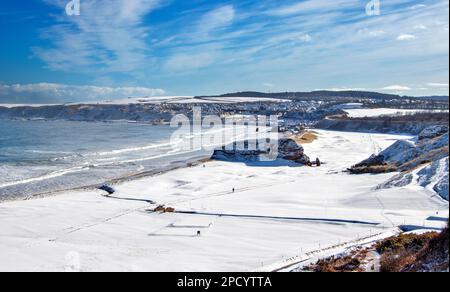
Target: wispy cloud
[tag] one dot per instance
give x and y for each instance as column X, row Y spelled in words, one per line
column 109, row 36
column 397, row 88
column 343, row 88
column 183, row 62
column 57, row 93
column 215, row 19
column 406, row 37
column 200, row 44
column 420, row 27
column 418, row 6
column 434, row 84
column 310, row 6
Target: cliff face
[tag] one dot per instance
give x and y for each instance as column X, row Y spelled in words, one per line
column 380, row 126
column 162, row 111
column 88, row 113
column 288, row 150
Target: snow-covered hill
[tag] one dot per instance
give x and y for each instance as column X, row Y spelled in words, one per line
column 435, row 176
column 424, row 163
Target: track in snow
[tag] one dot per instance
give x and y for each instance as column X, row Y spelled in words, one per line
column 325, row 220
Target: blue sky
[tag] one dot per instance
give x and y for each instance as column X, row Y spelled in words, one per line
column 120, row 48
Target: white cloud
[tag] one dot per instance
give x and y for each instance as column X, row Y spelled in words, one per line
column 305, row 38
column 420, row 27
column 406, row 37
column 215, row 19
column 338, row 89
column 288, row 37
column 397, row 88
column 434, row 84
column 186, row 62
column 371, row 33
column 57, row 93
column 313, row 6
column 268, row 85
column 418, row 6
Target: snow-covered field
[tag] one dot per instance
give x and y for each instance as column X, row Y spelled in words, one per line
column 276, row 212
column 376, row 112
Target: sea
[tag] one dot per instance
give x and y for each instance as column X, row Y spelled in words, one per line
column 41, row 156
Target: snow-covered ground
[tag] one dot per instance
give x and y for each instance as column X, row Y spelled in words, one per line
column 376, row 112
column 13, row 105
column 276, row 212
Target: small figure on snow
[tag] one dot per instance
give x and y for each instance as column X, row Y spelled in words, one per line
column 318, row 162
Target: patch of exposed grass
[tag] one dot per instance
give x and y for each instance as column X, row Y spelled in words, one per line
column 305, row 138
column 374, row 169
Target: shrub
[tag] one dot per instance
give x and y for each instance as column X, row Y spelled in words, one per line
column 409, row 242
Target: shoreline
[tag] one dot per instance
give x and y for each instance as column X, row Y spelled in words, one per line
column 192, row 162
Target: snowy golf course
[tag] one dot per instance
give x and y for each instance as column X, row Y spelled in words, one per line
column 276, row 212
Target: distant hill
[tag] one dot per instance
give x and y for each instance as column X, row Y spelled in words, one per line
column 325, row 94
column 436, row 97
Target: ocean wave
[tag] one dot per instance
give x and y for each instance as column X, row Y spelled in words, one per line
column 136, row 149
column 51, row 175
column 90, row 165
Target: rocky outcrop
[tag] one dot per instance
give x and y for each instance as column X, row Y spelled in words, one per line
column 287, row 149
column 226, row 154
column 433, row 132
